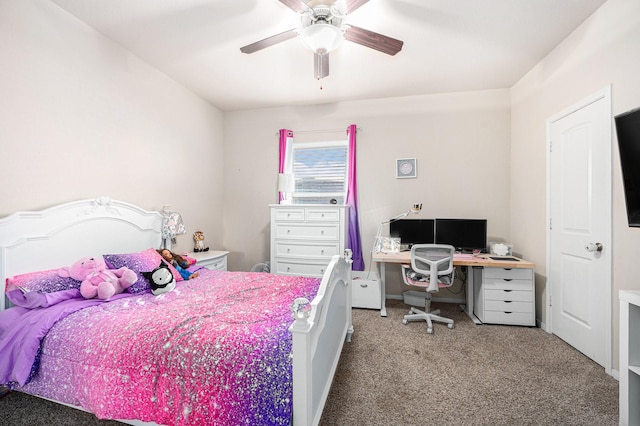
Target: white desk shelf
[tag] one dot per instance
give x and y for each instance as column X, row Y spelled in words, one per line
column 629, row 357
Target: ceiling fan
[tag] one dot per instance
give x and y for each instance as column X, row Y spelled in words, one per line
column 323, row 29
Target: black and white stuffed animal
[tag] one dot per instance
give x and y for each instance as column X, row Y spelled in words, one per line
column 161, row 279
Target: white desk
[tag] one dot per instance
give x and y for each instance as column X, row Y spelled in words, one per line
column 381, row 259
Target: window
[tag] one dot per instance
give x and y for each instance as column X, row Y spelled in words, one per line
column 320, row 172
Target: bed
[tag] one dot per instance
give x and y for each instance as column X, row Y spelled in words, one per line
column 223, row 348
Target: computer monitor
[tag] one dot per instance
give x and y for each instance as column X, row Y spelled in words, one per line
column 412, row 231
column 466, row 235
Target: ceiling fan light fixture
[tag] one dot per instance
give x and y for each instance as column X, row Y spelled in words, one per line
column 322, row 37
column 322, row 29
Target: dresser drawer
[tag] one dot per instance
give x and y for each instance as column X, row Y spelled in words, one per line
column 507, row 306
column 511, row 274
column 323, row 215
column 289, row 214
column 509, row 295
column 306, row 249
column 509, row 318
column 502, row 284
column 307, row 231
column 305, row 269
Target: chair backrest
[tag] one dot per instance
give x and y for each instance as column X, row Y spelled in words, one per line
column 434, row 260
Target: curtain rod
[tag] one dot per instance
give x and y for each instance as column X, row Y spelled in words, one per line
column 307, row 132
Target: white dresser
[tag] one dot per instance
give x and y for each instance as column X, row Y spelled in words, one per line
column 504, row 296
column 304, row 237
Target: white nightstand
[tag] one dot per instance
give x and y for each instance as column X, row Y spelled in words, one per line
column 212, row 259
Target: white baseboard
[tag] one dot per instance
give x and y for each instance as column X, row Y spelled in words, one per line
column 615, row 374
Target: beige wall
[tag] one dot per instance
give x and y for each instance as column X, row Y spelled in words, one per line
column 603, row 51
column 460, row 140
column 81, row 118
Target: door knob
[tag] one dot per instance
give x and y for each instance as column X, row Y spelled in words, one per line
column 591, row 247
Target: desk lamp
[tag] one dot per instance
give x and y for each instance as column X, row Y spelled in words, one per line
column 377, row 245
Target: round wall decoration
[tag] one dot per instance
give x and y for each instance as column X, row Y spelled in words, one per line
column 406, row 168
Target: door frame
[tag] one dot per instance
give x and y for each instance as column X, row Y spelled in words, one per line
column 605, row 95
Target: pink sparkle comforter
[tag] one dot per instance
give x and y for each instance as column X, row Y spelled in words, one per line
column 215, row 351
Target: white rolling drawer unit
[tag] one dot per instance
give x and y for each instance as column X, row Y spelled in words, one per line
column 304, row 237
column 504, row 296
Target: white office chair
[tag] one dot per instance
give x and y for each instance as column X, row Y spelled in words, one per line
column 431, row 268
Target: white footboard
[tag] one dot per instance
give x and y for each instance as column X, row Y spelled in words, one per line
column 319, row 331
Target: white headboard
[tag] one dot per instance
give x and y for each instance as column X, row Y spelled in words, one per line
column 58, row 236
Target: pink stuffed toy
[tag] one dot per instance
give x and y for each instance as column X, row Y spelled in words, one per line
column 97, row 280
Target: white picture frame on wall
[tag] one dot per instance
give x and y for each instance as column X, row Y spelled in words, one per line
column 406, row 168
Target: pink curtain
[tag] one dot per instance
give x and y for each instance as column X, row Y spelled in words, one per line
column 354, row 241
column 286, row 139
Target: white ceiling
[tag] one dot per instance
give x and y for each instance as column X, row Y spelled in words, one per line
column 449, row 46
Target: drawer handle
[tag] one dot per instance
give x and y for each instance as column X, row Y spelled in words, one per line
column 322, row 251
column 364, row 285
column 507, row 301
column 288, row 230
column 288, row 268
column 507, row 269
column 322, row 232
column 506, row 312
column 508, row 279
column 322, row 215
column 288, row 250
column 322, row 270
column 507, row 291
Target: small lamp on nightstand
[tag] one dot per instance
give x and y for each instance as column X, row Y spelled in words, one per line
column 172, row 225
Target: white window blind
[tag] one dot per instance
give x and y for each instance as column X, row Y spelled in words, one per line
column 320, row 172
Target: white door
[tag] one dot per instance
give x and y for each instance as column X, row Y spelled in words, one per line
column 579, row 243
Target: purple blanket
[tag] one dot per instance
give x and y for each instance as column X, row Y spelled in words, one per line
column 23, row 327
column 215, row 351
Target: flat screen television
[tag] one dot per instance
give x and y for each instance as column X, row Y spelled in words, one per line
column 412, row 231
column 628, row 131
column 466, row 235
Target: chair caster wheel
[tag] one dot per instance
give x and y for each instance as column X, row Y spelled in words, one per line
column 429, row 330
column 450, row 326
column 405, row 322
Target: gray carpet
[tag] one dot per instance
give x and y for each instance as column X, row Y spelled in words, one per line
column 395, row 374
